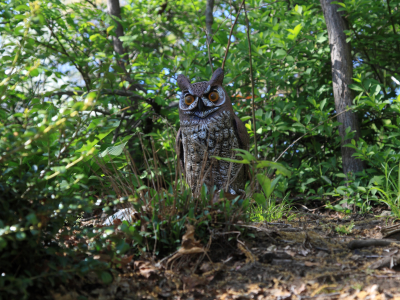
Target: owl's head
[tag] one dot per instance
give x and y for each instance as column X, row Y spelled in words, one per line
column 201, row 100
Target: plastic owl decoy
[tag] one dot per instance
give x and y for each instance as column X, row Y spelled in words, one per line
column 209, row 127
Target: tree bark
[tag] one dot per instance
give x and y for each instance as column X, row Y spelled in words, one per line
column 342, row 74
column 114, row 9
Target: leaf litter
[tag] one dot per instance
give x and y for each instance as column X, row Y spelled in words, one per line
column 305, row 258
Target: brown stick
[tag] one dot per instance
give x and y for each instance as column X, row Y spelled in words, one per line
column 230, row 35
column 389, row 261
column 252, row 82
column 370, row 243
column 209, row 22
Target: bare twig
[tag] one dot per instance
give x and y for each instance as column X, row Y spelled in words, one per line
column 230, row 35
column 252, row 82
column 209, row 22
column 209, row 18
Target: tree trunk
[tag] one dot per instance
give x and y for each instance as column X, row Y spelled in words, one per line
column 114, row 9
column 342, row 73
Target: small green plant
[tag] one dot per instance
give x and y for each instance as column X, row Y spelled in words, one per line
column 269, row 212
column 261, row 188
column 390, row 191
column 345, row 229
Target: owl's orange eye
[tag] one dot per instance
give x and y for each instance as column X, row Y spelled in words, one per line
column 213, row 96
column 189, row 99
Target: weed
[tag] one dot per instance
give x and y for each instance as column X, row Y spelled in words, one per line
column 271, row 211
column 390, row 192
column 345, row 229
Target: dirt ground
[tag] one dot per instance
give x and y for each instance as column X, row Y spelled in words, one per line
column 313, row 256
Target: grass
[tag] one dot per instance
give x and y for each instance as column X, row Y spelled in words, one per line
column 390, row 193
column 271, row 211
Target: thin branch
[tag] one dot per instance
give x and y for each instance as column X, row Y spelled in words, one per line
column 209, row 34
column 230, row 35
column 252, row 81
column 103, row 92
column 209, row 19
column 86, row 79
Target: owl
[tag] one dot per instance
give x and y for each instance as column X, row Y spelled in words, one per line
column 209, row 127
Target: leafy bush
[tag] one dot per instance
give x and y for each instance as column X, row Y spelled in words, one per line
column 85, row 131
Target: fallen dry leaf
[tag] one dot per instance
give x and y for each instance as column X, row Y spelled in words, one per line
column 126, row 260
column 145, row 268
column 291, row 253
column 206, row 267
column 188, row 240
column 311, row 264
column 195, row 280
column 117, row 222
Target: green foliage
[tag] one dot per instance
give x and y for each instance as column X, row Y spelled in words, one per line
column 83, row 128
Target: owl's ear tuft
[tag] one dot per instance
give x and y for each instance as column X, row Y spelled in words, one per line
column 217, row 77
column 183, row 82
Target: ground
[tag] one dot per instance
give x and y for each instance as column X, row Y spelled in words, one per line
column 313, row 256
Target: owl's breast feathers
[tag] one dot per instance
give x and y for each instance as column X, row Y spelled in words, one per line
column 196, row 144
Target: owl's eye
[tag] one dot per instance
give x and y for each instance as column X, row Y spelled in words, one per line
column 189, row 99
column 213, row 96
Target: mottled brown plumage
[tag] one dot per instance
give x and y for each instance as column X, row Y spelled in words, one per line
column 209, row 127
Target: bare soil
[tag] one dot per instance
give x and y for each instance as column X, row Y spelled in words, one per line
column 305, row 258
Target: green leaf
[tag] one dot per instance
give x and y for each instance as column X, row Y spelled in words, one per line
column 280, row 53
column 376, row 180
column 339, row 3
column 356, row 87
column 22, row 7
column 260, row 199
column 341, row 175
column 298, row 9
column 113, row 150
column 20, row 236
column 3, row 243
column 32, row 218
column 244, row 161
column 326, row 179
column 110, row 28
column 34, row 72
column 376, row 89
column 106, row 277
column 321, row 39
column 294, row 31
column 274, row 165
column 362, row 189
column 245, row 154
column 265, row 183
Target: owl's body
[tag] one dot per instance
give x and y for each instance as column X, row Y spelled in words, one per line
column 209, row 128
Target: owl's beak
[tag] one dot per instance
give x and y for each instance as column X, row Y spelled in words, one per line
column 201, row 105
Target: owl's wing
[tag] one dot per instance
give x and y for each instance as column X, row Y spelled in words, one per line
column 179, row 150
column 241, row 131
